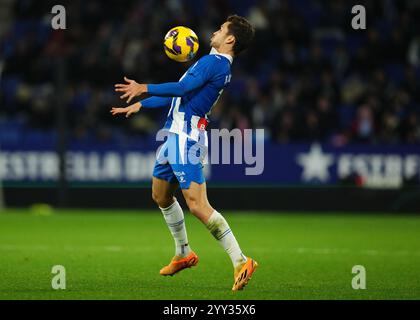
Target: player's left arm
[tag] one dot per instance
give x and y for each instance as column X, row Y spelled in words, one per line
column 152, row 102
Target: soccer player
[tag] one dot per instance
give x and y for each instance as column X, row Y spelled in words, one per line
column 191, row 100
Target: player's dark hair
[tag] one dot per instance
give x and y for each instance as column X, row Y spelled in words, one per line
column 243, row 32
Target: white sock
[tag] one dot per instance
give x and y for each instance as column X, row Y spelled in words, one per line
column 220, row 229
column 174, row 218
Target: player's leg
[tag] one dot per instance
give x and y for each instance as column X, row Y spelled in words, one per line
column 164, row 185
column 163, row 189
column 163, row 192
column 196, row 198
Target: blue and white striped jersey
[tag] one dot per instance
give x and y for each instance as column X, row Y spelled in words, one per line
column 192, row 98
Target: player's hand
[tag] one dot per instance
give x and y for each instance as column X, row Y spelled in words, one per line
column 128, row 111
column 131, row 89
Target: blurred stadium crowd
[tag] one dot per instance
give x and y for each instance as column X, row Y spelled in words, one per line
column 309, row 76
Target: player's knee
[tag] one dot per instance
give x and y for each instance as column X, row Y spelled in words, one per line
column 162, row 200
column 155, row 197
column 196, row 208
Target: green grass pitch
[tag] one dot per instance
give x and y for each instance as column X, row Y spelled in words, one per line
column 118, row 255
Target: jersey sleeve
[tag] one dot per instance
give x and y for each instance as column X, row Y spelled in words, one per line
column 195, row 78
column 156, row 102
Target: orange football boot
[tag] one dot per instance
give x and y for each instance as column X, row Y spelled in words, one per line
column 177, row 264
column 243, row 274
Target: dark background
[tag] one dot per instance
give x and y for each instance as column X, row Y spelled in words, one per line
column 307, row 78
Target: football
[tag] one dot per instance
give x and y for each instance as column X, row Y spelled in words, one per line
column 181, row 44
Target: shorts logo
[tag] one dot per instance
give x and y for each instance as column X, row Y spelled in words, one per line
column 180, row 175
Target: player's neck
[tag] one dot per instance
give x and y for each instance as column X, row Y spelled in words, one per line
column 225, row 50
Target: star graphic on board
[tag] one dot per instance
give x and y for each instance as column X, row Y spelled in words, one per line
column 315, row 164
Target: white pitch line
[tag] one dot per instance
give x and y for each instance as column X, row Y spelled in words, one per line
column 303, row 250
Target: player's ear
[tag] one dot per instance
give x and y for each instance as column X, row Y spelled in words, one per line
column 230, row 39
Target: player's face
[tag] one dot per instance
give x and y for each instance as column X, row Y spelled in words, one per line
column 219, row 36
